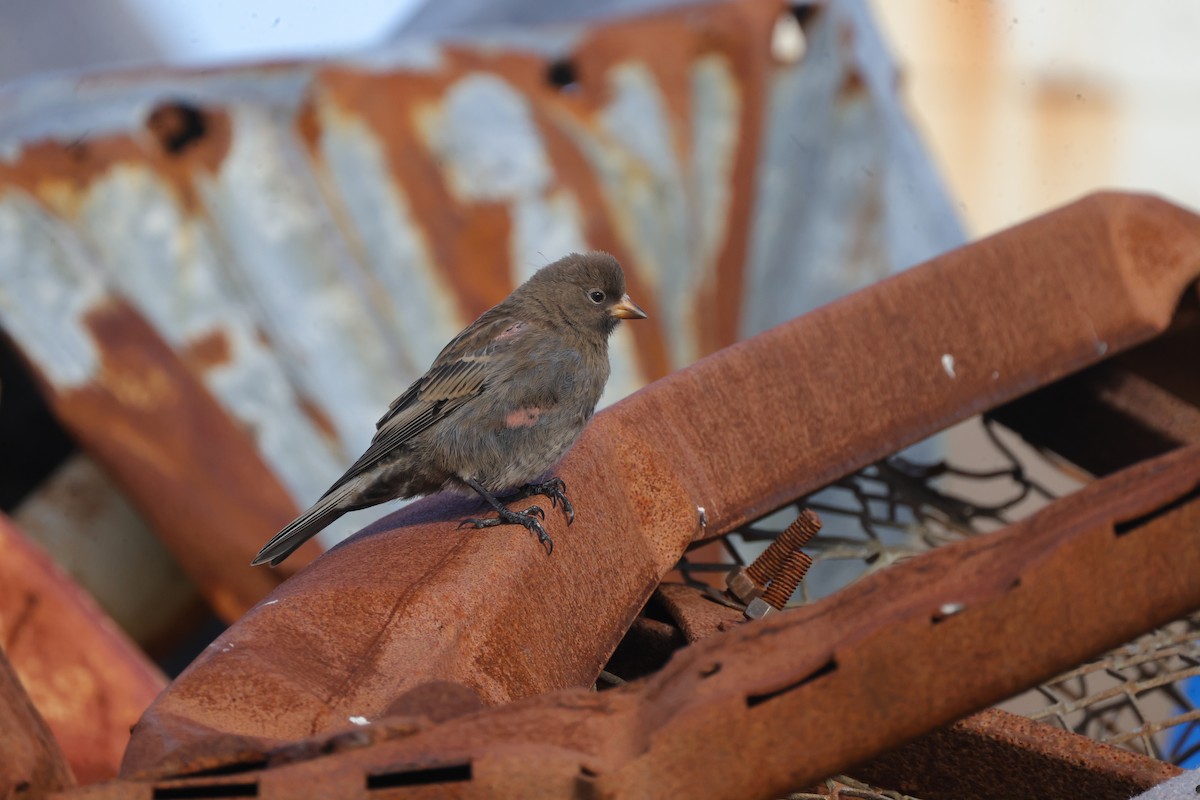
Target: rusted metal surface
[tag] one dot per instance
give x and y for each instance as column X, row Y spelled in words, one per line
column 293, row 243
column 992, row 754
column 87, row 679
column 995, row 754
column 1147, row 401
column 412, row 599
column 32, row 765
column 814, row 691
column 698, row 615
column 190, row 469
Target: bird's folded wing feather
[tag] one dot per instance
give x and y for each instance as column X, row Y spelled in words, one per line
column 460, row 372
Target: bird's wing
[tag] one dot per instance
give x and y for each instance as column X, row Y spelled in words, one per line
column 461, row 371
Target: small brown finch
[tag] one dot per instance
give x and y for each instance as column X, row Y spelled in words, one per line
column 500, row 405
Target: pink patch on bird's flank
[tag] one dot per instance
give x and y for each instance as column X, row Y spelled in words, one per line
column 510, row 331
column 523, row 417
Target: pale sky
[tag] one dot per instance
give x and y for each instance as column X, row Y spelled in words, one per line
column 208, row 31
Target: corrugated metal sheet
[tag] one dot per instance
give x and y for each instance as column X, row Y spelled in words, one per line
column 221, row 277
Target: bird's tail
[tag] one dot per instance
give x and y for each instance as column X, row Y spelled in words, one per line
column 303, row 528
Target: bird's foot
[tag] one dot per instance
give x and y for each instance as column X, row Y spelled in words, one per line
column 528, row 519
column 554, row 489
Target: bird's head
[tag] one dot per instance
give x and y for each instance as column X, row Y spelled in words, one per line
column 584, row 291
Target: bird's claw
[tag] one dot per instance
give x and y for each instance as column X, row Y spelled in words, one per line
column 556, row 490
column 527, row 519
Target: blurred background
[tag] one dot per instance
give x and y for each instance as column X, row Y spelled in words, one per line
column 1023, row 104
column 258, row 250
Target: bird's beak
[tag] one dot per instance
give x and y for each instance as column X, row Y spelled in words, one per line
column 627, row 309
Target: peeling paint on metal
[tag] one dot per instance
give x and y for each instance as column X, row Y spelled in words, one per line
column 271, row 218
column 170, row 266
column 642, row 175
column 715, row 138
column 484, row 134
column 47, row 285
column 422, row 312
column 850, row 194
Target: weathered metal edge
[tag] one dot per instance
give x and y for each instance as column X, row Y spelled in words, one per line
column 815, row 691
column 89, row 680
column 998, row 754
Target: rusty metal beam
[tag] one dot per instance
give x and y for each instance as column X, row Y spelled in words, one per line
column 995, row 754
column 786, row 701
column 1146, row 401
column 411, row 598
column 992, row 754
column 87, row 679
column 32, row 764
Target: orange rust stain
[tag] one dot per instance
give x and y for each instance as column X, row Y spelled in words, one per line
column 308, row 127
column 664, row 46
column 468, row 242
column 88, row 681
column 59, row 172
column 852, row 87
column 190, row 469
column 668, row 47
column 210, row 350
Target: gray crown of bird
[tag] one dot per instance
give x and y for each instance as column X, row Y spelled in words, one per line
column 496, row 410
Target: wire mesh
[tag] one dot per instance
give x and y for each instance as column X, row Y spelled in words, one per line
column 969, row 480
column 843, row 787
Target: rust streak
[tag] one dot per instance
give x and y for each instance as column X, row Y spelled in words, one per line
column 189, row 468
column 468, row 242
column 207, row 352
column 88, row 681
column 59, row 173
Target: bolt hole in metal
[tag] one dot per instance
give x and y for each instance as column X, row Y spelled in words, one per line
column 1131, row 525
column 562, row 74
column 828, row 668
column 205, row 791
column 427, row 776
column 177, row 126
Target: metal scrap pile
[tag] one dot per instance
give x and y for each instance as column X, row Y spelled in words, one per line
column 213, row 282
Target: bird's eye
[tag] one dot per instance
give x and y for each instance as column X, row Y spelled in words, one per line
column 596, row 296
